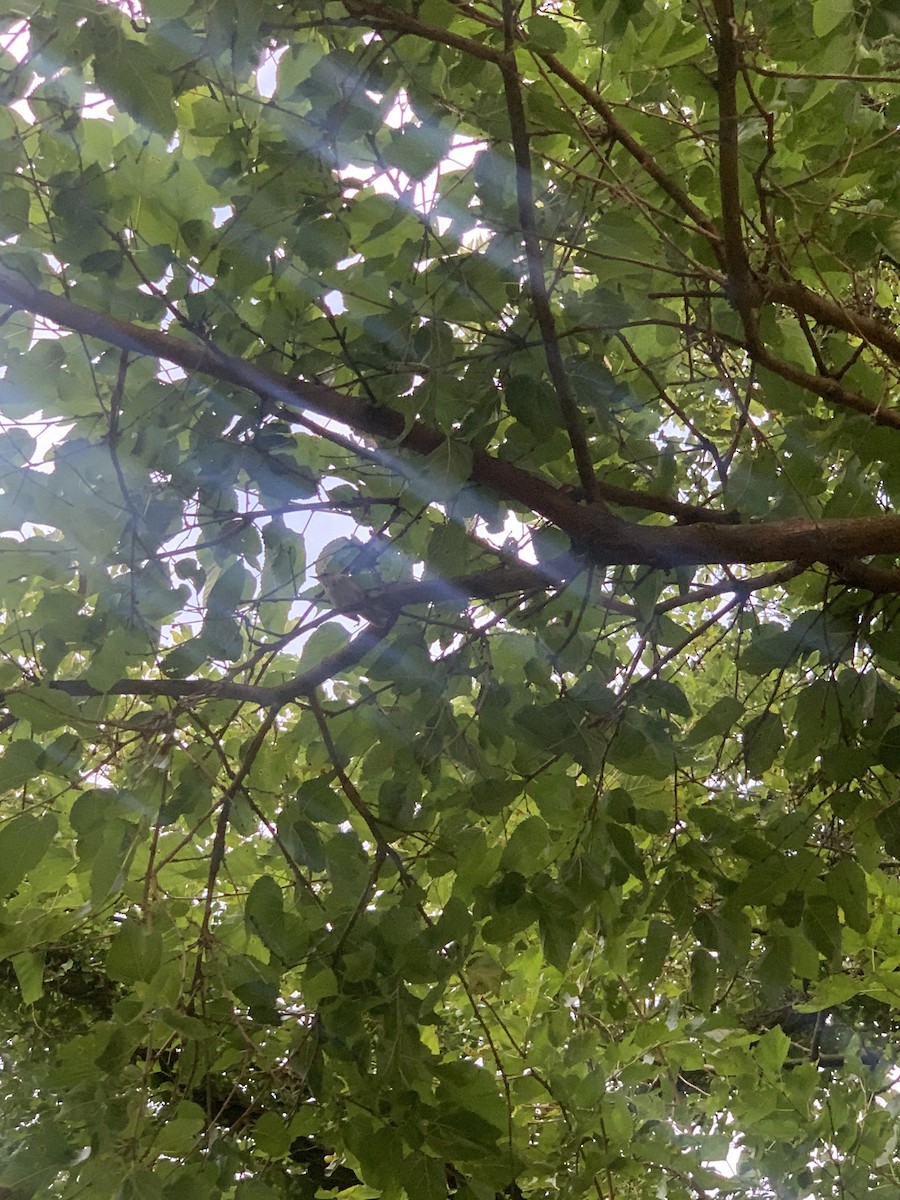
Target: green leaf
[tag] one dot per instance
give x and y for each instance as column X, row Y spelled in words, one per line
column 716, row 721
column 771, row 1051
column 821, row 926
column 448, row 468
column 546, row 33
column 558, row 923
column 418, row 150
column 254, row 1189
column 29, row 969
column 424, row 1177
column 19, row 761
column 703, row 978
column 45, row 709
column 775, row 969
column 264, row 909
column 130, row 74
column 835, row 990
column 228, row 590
column 846, row 883
column 762, row 738
column 317, row 800
column 182, row 1128
column 108, row 663
column 135, row 953
column 527, row 845
column 887, row 822
column 667, row 696
column 828, row 14
column 655, row 950
column 272, row 1135
column 23, row 843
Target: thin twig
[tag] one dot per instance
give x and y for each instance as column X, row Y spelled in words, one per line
column 537, row 284
column 350, row 790
column 217, row 854
column 742, row 291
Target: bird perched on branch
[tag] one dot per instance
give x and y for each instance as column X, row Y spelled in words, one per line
column 343, row 592
column 345, row 595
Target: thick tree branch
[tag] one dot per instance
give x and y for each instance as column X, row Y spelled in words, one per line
column 594, row 532
column 829, row 389
column 379, row 17
column 880, row 580
column 296, row 396
column 828, row 312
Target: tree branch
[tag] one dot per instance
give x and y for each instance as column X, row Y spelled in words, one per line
column 793, row 294
column 509, row 481
column 595, row 532
column 350, row 790
column 217, row 854
column 272, row 696
column 829, row 389
column 537, row 284
column 741, row 287
column 487, row 585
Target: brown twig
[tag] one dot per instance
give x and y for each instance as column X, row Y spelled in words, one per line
column 217, row 854
column 742, row 290
column 537, row 284
column 293, row 866
column 350, row 790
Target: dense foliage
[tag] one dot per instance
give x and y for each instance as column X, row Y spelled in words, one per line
column 448, row 580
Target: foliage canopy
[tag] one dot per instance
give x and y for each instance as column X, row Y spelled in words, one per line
column 449, row 576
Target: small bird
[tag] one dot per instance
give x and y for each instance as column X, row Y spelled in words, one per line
column 343, row 592
column 345, row 595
